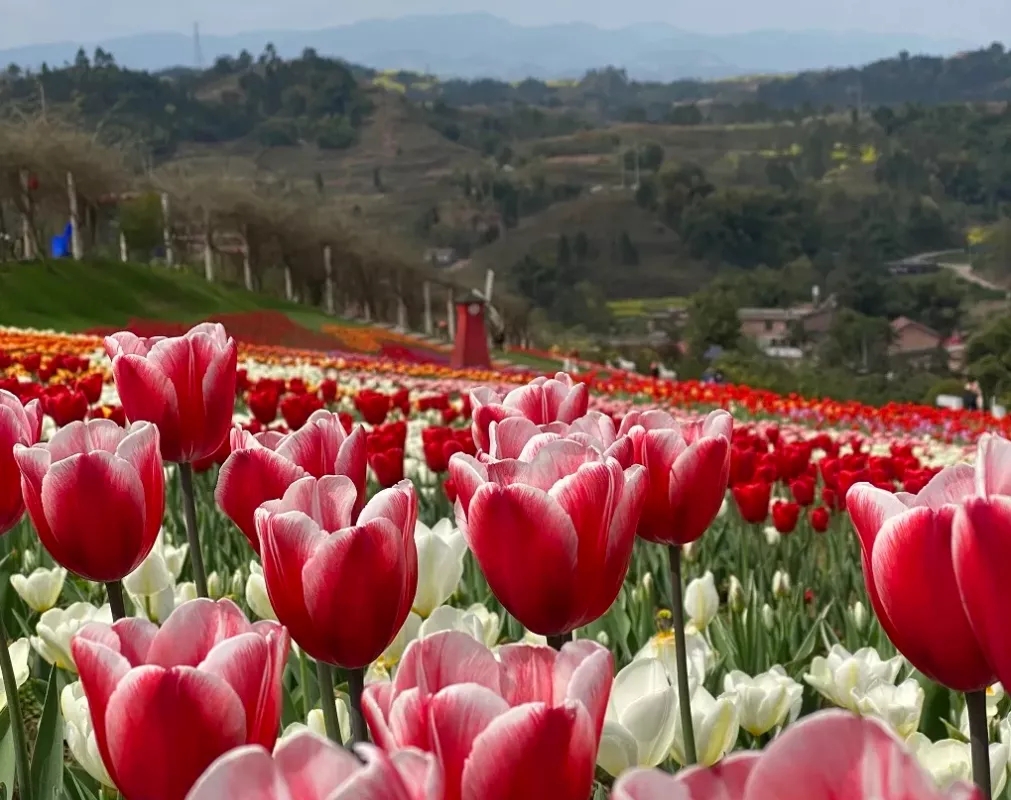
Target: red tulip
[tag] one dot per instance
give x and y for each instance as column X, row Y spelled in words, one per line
column 66, row 406
column 96, row 495
column 388, row 466
column 831, row 754
column 297, row 409
column 553, row 536
column 526, row 725
column 263, row 466
column 166, row 703
column 263, row 405
column 19, row 425
column 542, row 401
column 688, row 468
column 819, row 518
column 344, row 592
column 752, row 501
column 785, row 516
column 373, row 406
column 906, row 543
column 184, row 384
column 802, row 490
column 308, row 767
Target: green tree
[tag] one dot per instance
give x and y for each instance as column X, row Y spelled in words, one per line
column 712, row 320
column 988, row 357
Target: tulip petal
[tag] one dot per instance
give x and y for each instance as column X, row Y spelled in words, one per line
column 342, row 572
column 508, row 437
column 950, row 485
column 376, row 705
column 527, row 547
column 135, row 636
column 923, row 605
column 287, row 542
column 467, row 474
column 836, row 754
column 993, row 466
column 147, row 394
column 199, row 717
column 95, row 507
column 583, row 673
column 528, row 673
column 869, row 507
column 101, row 669
column 141, row 449
column 458, row 714
column 249, row 478
column 981, row 543
column 218, row 391
column 421, row 774
column 242, row 662
column 33, row 463
column 444, row 659
column 312, row 766
column 533, row 751
column 192, row 631
column 246, row 773
column 698, row 485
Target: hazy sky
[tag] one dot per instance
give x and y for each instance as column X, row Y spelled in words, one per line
column 38, row 21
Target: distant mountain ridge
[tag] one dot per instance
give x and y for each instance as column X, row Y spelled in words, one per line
column 484, row 46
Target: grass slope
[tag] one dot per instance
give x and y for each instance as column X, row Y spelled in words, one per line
column 74, row 296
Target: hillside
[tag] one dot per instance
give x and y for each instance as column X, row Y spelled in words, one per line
column 475, row 46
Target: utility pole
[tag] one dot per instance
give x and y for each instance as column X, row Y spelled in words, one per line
column 198, row 53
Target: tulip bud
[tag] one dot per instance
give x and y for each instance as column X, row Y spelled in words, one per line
column 781, row 583
column 772, row 536
column 28, row 560
column 237, row 585
column 702, row 601
column 647, row 582
column 859, row 615
column 768, row 617
column 690, row 551
column 736, row 595
column 604, row 639
column 215, row 588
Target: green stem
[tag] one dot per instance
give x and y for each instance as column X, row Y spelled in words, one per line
column 303, row 680
column 192, row 534
column 114, row 590
column 979, row 740
column 17, row 720
column 681, row 652
column 356, row 687
column 328, row 702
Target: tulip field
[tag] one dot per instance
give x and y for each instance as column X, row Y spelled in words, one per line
column 234, row 572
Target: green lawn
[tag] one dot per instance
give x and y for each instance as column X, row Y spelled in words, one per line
column 75, row 296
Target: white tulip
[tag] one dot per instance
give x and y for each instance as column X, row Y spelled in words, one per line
column 899, row 706
column 603, row 639
column 490, row 621
column 716, row 725
column 702, row 601
column 840, row 673
column 736, row 596
column 441, row 549
column 80, row 733
column 663, row 646
column 858, row 613
column 763, row 702
column 793, row 689
column 150, row 578
column 40, row 590
column 772, row 536
column 28, row 560
column 215, row 586
column 57, row 627
column 690, row 551
column 316, row 723
column 768, row 617
column 256, row 593
column 781, row 583
column 950, row 760
column 449, row 618
column 237, row 586
column 18, row 652
column 640, row 720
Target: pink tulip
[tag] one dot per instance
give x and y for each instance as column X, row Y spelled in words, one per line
column 343, row 589
column 19, row 425
column 831, row 755
column 724, row 781
column 553, row 536
column 308, row 767
column 183, row 384
column 525, row 726
column 906, row 543
column 688, row 468
column 96, row 495
column 519, row 438
column 543, row 401
column 166, row 703
column 262, row 467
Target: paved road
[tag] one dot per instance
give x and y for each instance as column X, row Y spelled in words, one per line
column 952, row 260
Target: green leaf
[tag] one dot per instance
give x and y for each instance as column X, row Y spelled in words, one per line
column 8, row 764
column 76, row 789
column 47, row 765
column 807, row 645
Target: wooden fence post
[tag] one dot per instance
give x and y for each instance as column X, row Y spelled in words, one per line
column 426, row 290
column 76, row 242
column 166, row 220
column 328, row 298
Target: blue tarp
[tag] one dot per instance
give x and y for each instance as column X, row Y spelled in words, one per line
column 61, row 246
